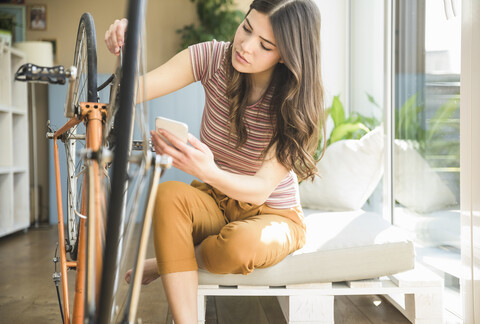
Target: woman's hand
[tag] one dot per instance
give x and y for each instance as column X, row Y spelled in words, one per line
column 196, row 159
column 115, row 35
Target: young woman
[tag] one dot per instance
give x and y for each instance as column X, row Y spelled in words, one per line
column 261, row 124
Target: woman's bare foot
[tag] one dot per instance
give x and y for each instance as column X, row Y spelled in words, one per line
column 150, row 272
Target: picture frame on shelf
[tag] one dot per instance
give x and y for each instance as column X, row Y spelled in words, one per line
column 37, row 17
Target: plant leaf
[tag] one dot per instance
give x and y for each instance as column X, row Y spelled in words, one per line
column 337, row 112
column 346, row 131
column 408, row 125
column 443, row 113
column 372, row 100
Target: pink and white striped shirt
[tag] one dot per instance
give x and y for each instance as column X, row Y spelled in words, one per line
column 208, row 61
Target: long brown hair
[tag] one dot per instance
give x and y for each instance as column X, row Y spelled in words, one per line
column 296, row 108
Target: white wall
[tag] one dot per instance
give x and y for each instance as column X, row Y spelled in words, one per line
column 367, row 55
column 334, row 42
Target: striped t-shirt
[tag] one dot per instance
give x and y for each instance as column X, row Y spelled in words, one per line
column 208, row 61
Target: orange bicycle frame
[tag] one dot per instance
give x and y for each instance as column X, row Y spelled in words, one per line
column 93, row 115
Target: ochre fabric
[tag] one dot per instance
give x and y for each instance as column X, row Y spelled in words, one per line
column 234, row 237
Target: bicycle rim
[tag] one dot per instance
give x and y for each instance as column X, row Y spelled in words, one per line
column 122, row 135
column 85, row 60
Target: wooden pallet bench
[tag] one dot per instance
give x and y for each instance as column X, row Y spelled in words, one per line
column 417, row 293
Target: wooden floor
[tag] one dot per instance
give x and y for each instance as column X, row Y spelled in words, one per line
column 28, row 295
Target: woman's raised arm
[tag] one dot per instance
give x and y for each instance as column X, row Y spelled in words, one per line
column 169, row 77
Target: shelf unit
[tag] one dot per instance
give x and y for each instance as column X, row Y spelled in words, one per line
column 14, row 177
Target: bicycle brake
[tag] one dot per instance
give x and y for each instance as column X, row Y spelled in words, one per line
column 41, row 74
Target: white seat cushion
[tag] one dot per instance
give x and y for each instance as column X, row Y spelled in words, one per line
column 340, row 246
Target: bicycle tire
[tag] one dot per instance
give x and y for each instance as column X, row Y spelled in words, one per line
column 87, row 27
column 85, row 61
column 122, row 138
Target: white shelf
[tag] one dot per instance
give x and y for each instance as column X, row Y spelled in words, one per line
column 5, row 84
column 21, row 216
column 4, row 108
column 6, row 142
column 17, row 53
column 17, row 111
column 14, row 177
column 20, row 141
column 16, row 169
column 4, row 170
column 6, row 197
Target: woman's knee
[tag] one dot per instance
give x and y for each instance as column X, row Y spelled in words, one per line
column 229, row 254
column 241, row 247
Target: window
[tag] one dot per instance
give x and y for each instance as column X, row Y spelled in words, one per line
column 426, row 146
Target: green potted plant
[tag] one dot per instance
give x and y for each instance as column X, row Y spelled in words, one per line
column 218, row 20
column 352, row 127
column 7, row 27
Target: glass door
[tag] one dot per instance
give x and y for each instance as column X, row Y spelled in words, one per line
column 426, row 128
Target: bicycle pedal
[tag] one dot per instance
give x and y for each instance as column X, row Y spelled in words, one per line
column 42, row 74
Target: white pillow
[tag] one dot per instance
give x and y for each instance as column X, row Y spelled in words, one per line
column 349, row 173
column 416, row 185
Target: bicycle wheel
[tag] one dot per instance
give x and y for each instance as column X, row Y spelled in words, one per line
column 122, row 135
column 85, row 61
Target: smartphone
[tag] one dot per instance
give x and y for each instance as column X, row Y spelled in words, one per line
column 177, row 128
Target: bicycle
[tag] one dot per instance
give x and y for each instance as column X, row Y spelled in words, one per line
column 99, row 217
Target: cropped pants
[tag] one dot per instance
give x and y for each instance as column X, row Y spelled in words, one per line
column 234, row 237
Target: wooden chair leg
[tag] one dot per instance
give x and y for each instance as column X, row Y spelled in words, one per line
column 307, row 309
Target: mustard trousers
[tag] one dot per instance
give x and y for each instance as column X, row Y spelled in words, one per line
column 234, row 237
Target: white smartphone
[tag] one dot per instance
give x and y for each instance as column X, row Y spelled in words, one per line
column 177, row 128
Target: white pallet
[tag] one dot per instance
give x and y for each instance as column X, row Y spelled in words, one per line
column 421, row 289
